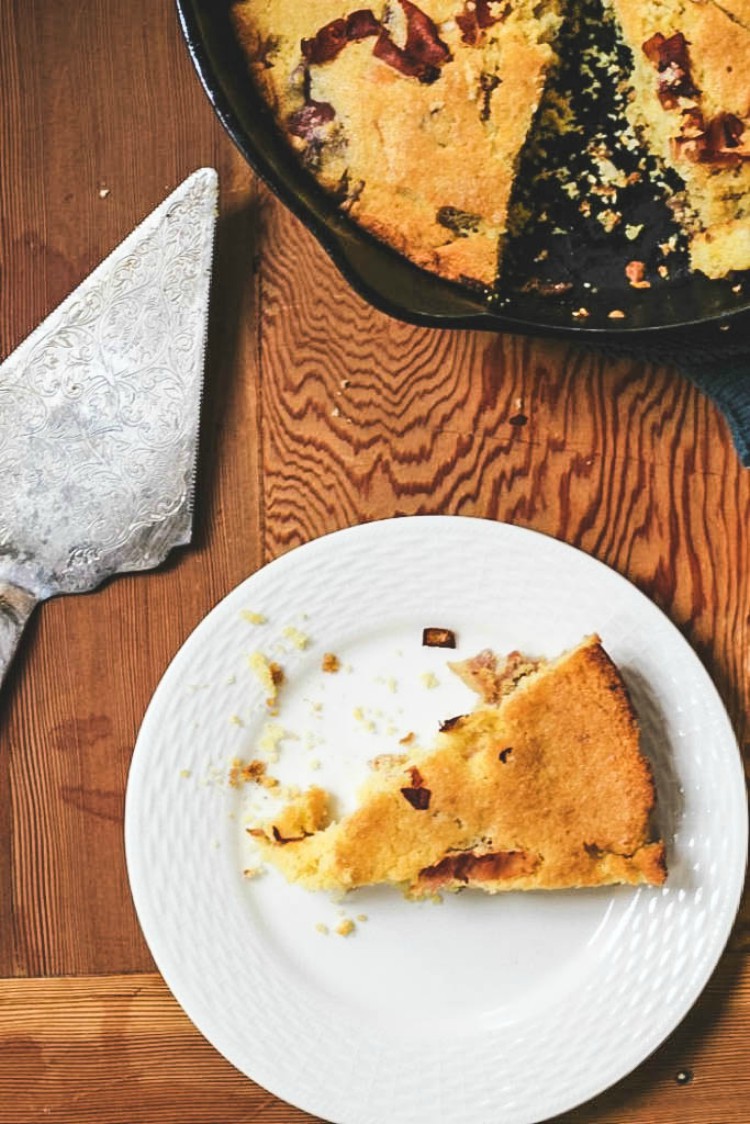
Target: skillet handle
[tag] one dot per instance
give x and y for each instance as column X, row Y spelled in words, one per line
column 16, row 606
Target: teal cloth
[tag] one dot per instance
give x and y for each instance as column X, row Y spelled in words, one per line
column 723, row 375
column 726, row 382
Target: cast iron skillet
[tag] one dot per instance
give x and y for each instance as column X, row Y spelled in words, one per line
column 688, row 309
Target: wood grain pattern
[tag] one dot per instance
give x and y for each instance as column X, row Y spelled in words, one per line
column 365, row 417
column 319, row 413
column 116, row 1050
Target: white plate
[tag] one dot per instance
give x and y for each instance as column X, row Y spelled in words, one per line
column 481, row 1010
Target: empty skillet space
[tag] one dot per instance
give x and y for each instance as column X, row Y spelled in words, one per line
column 593, row 219
column 589, row 200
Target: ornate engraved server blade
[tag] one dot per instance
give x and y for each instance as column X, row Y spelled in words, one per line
column 99, row 411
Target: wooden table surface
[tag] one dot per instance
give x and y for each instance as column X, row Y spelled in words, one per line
column 319, row 413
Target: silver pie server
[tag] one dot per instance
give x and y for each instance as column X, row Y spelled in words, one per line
column 99, row 413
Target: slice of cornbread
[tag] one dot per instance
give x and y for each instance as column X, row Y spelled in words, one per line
column 542, row 786
column 413, row 115
column 691, row 105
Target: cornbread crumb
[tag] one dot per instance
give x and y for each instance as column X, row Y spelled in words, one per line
column 252, row 872
column 359, row 715
column 185, row 773
column 321, row 928
column 251, row 617
column 241, row 772
column 361, row 917
column 345, row 927
column 609, row 219
column 299, row 639
column 271, row 736
column 635, row 271
column 235, row 720
column 330, row 663
column 269, row 673
column 429, row 680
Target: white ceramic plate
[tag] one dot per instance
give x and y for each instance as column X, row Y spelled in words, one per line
column 484, row 1009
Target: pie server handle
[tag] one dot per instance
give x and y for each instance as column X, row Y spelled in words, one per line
column 16, row 606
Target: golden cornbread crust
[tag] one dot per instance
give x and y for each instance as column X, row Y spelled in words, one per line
column 691, row 105
column 546, row 788
column 413, row 115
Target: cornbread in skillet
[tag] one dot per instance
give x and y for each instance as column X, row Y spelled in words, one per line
column 412, row 115
column 542, row 786
column 691, row 105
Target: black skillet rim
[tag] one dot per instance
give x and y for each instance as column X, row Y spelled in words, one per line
column 461, row 308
